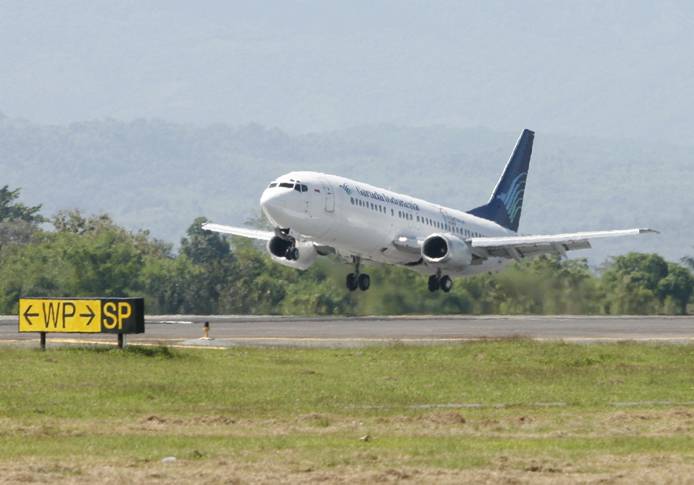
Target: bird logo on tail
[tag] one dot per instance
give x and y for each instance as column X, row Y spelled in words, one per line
column 513, row 198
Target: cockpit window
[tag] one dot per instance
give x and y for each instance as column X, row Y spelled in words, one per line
column 273, row 184
column 304, row 188
column 297, row 187
column 287, row 185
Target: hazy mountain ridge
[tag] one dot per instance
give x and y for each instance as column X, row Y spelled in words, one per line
column 617, row 68
column 159, row 175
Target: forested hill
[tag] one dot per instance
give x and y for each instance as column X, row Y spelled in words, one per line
column 159, row 175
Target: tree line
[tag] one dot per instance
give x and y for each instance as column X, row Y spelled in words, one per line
column 72, row 254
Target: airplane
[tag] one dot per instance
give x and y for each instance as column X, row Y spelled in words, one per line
column 316, row 214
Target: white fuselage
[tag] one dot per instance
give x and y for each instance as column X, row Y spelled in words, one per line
column 358, row 219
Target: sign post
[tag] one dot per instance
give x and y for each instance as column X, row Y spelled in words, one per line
column 82, row 315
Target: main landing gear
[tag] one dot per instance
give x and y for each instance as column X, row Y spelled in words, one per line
column 438, row 282
column 358, row 280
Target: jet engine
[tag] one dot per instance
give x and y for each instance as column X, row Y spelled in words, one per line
column 279, row 248
column 446, row 250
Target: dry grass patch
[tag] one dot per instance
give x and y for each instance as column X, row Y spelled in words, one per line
column 617, row 470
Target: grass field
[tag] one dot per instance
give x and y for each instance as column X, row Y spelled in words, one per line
column 512, row 410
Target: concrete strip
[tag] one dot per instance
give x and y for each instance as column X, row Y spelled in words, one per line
column 234, row 330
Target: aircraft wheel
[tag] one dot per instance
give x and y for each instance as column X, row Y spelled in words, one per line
column 446, row 283
column 292, row 253
column 433, row 283
column 352, row 282
column 364, row 282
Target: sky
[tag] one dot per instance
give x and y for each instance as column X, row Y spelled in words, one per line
column 617, row 69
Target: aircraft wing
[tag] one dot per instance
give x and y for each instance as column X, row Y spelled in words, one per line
column 518, row 247
column 239, row 231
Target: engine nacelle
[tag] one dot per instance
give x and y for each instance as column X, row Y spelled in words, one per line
column 277, row 247
column 446, row 250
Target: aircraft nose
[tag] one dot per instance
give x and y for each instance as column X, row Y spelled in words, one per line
column 274, row 203
column 268, row 199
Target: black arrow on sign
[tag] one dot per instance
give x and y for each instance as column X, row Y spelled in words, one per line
column 91, row 315
column 27, row 315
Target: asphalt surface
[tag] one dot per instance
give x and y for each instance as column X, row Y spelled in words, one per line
column 227, row 331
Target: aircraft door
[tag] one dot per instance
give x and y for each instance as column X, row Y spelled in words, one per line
column 329, row 197
column 307, row 207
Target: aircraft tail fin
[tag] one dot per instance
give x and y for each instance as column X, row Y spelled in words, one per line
column 505, row 204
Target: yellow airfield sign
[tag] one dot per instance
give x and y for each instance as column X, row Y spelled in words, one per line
column 82, row 315
column 52, row 315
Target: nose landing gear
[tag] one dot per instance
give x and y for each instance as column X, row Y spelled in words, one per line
column 358, row 280
column 438, row 282
column 292, row 253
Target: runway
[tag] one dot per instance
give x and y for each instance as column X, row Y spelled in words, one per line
column 230, row 330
